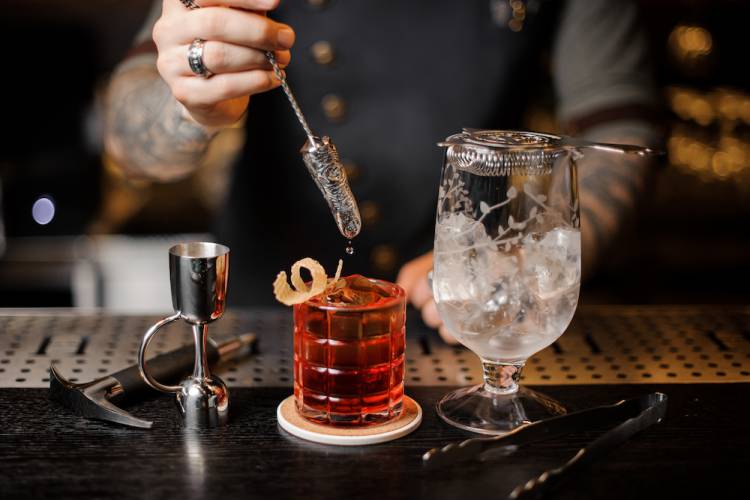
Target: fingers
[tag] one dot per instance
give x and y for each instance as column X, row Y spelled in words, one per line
column 430, row 315
column 236, row 34
column 258, row 5
column 421, row 293
column 413, row 279
column 432, row 319
column 447, row 336
column 233, row 26
column 202, row 93
column 219, row 57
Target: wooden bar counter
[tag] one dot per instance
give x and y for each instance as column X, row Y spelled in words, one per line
column 699, row 451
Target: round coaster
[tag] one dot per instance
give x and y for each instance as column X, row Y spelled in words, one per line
column 295, row 424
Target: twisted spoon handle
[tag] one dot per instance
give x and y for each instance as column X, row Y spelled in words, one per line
column 288, row 91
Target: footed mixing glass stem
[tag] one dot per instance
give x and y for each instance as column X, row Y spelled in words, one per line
column 200, row 334
column 501, row 378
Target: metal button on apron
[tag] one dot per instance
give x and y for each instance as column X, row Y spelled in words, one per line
column 353, row 171
column 370, row 212
column 322, row 52
column 334, row 107
column 384, row 258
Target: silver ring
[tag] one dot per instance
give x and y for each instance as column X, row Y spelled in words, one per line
column 190, row 4
column 195, row 58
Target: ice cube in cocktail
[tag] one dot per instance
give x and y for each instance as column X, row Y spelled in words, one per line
column 349, row 352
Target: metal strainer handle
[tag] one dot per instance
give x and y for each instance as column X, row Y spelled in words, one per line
column 627, row 149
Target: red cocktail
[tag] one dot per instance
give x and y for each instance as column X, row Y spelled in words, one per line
column 349, row 353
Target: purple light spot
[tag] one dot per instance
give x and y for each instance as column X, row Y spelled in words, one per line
column 43, row 211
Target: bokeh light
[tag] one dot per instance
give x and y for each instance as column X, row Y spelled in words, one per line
column 690, row 42
column 43, row 210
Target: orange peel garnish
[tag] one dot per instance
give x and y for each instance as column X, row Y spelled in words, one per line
column 338, row 271
column 301, row 292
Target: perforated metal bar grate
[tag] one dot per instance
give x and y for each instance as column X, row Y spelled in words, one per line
column 604, row 345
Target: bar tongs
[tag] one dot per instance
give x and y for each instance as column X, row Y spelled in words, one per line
column 634, row 416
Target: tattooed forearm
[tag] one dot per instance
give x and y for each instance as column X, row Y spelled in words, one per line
column 610, row 186
column 146, row 131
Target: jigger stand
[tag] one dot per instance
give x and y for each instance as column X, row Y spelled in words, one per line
column 203, row 399
column 198, row 275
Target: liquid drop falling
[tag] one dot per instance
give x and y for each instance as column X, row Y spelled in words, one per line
column 349, row 248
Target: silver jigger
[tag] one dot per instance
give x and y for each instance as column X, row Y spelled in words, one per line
column 198, row 274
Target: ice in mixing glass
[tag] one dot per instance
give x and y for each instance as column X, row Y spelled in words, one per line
column 521, row 296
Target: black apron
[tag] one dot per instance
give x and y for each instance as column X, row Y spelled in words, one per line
column 410, row 74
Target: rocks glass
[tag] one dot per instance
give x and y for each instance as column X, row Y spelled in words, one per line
column 349, row 353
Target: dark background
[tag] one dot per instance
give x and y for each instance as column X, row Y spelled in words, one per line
column 689, row 244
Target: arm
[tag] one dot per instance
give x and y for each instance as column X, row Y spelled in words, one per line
column 605, row 93
column 160, row 117
column 147, row 132
column 609, row 188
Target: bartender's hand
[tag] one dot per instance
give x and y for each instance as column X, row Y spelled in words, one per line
column 236, row 33
column 413, row 278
